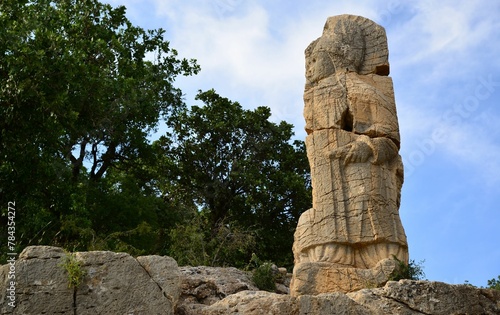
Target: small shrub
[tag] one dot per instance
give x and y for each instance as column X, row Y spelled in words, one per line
column 411, row 271
column 74, row 269
column 264, row 276
column 494, row 283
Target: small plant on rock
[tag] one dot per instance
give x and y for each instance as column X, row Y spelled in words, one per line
column 264, row 274
column 74, row 269
column 411, row 271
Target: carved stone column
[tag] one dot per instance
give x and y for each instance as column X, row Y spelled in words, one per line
column 348, row 239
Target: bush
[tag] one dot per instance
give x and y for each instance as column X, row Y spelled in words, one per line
column 411, row 271
column 193, row 244
column 264, row 274
column 494, row 283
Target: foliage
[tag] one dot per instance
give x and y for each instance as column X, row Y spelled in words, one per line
column 239, row 167
column 494, row 283
column 129, row 216
column 467, row 283
column 193, row 244
column 81, row 90
column 188, row 244
column 74, row 269
column 411, row 271
column 263, row 275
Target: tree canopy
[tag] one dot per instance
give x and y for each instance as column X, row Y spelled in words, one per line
column 82, row 90
column 241, row 170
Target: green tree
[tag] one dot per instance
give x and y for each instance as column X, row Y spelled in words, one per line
column 241, row 171
column 81, row 90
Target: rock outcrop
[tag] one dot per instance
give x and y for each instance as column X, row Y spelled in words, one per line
column 204, row 286
column 425, row 297
column 116, row 283
column 356, row 171
column 398, row 298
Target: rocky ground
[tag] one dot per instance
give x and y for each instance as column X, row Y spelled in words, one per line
column 117, row 283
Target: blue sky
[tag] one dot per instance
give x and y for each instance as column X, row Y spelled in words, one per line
column 445, row 64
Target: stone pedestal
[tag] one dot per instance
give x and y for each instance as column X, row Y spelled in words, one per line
column 317, row 278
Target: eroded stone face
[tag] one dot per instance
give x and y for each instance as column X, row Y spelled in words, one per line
column 353, row 150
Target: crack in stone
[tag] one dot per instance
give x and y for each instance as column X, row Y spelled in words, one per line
column 406, row 304
column 152, row 279
column 75, row 305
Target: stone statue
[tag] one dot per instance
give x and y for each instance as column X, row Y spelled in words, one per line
column 347, row 240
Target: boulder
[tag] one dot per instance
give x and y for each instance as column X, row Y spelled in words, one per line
column 117, row 283
column 41, row 283
column 203, row 286
column 114, row 283
column 401, row 298
column 428, row 297
column 253, row 303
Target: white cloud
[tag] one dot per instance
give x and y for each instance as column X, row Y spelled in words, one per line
column 474, row 149
column 440, row 29
column 466, row 138
column 438, row 55
column 250, row 52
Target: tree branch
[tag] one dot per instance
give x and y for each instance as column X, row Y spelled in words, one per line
column 107, row 161
column 94, row 160
column 78, row 162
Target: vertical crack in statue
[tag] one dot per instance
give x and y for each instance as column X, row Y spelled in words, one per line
column 348, row 239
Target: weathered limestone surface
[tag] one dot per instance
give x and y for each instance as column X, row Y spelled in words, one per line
column 425, row 297
column 115, row 283
column 400, row 298
column 203, row 286
column 164, row 271
column 316, row 278
column 253, row 303
column 42, row 286
column 356, row 171
column 260, row 302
